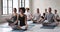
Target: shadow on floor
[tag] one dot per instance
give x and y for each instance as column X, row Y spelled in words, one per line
column 48, row 27
column 16, row 31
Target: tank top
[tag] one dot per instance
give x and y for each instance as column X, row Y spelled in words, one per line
column 22, row 20
column 14, row 18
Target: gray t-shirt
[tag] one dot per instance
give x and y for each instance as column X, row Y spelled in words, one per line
column 50, row 17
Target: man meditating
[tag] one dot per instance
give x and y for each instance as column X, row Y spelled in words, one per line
column 49, row 19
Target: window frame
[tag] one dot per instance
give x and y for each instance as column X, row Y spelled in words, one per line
column 22, row 3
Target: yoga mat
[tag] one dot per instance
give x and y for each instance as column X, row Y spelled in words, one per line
column 47, row 27
column 8, row 28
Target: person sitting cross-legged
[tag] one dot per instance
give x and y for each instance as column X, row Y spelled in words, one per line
column 56, row 15
column 28, row 14
column 13, row 20
column 41, row 18
column 22, row 19
column 36, row 16
column 49, row 19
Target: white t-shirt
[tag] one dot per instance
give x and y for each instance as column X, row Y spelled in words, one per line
column 28, row 14
column 36, row 16
column 56, row 15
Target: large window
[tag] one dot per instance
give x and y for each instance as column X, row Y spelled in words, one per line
column 26, row 3
column 22, row 3
column 15, row 4
column 4, row 6
column 8, row 5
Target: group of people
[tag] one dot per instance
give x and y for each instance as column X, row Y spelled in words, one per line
column 19, row 20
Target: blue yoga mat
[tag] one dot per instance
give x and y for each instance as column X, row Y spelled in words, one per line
column 47, row 27
column 6, row 26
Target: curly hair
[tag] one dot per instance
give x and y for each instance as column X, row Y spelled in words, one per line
column 23, row 9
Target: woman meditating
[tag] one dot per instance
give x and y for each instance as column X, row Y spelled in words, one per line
column 13, row 20
column 22, row 18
